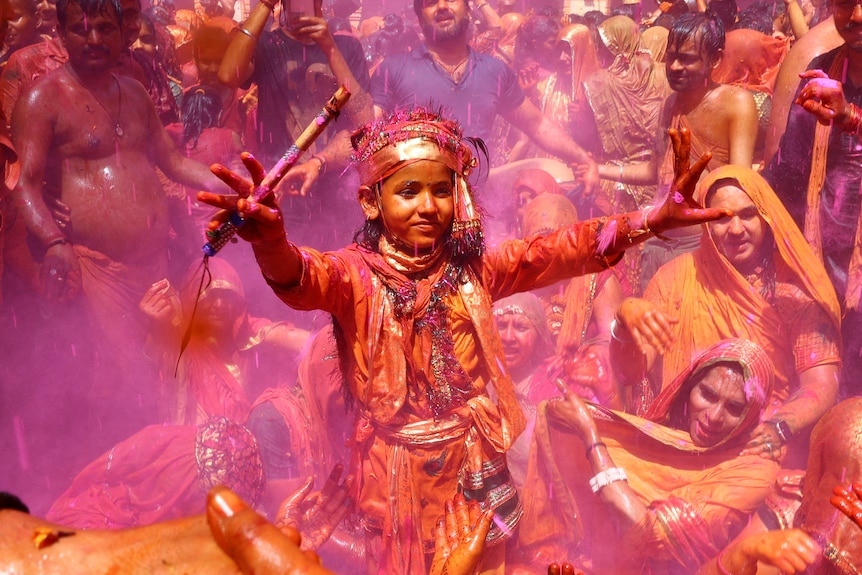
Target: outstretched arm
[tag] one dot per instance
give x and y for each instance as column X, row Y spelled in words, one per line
column 279, row 260
column 677, row 210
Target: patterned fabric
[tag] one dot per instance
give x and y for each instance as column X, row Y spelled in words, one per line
column 698, row 498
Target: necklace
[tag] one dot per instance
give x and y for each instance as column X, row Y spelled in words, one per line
column 118, row 129
column 456, row 72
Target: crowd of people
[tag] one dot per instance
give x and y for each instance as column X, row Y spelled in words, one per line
column 599, row 311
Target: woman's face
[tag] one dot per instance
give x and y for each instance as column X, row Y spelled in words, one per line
column 716, row 405
column 742, row 237
column 417, row 205
column 519, row 339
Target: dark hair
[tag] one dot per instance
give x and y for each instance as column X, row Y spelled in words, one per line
column 200, row 110
column 89, row 7
column 678, row 411
column 760, row 16
column 338, row 24
column 629, row 10
column 726, row 10
column 534, row 30
column 10, row 501
column 705, row 28
column 720, row 183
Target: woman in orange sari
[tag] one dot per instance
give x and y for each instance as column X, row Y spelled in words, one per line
column 672, row 486
column 754, row 276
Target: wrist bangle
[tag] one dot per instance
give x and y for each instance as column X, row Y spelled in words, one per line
column 247, row 33
column 322, row 168
column 604, row 478
column 620, row 178
column 854, row 119
column 781, row 428
column 56, row 242
column 595, row 445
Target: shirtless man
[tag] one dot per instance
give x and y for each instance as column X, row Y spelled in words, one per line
column 722, row 119
column 91, row 139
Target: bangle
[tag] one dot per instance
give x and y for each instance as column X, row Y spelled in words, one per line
column 247, row 33
column 620, row 178
column 854, row 119
column 781, row 428
column 56, row 242
column 721, row 569
column 614, row 324
column 322, row 168
column 595, row 445
column 604, row 478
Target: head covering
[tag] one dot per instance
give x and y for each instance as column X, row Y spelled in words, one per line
column 510, row 23
column 546, row 213
column 833, row 460
column 579, row 43
column 654, row 40
column 529, row 306
column 751, row 60
column 537, row 180
column 757, row 372
column 706, row 280
column 698, row 498
column 405, row 137
column 628, row 96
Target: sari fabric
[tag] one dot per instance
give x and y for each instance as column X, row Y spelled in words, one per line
column 698, row 498
column 751, row 60
column 703, row 284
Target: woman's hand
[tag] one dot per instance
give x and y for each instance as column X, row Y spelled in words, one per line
column 460, row 536
column 161, row 304
column 791, row 550
column 263, row 220
column 765, row 442
column 647, row 324
column 317, row 516
column 570, row 411
column 680, row 209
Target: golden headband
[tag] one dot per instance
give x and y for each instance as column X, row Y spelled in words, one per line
column 382, row 147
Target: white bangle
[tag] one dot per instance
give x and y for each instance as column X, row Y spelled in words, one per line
column 606, row 477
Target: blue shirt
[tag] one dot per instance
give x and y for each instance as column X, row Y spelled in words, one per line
column 489, row 87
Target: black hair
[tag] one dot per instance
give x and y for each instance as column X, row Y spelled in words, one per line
column 10, row 501
column 705, row 28
column 533, row 31
column 629, row 10
column 88, row 7
column 720, row 183
column 726, row 10
column 200, row 110
column 760, row 16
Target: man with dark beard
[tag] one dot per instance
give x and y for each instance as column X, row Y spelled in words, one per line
column 473, row 87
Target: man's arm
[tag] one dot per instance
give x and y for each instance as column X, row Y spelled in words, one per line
column 33, row 121
column 237, row 66
column 818, row 391
column 551, row 138
column 742, row 126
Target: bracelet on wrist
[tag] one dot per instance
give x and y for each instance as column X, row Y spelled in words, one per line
column 604, row 478
column 247, row 33
column 854, row 119
column 322, row 168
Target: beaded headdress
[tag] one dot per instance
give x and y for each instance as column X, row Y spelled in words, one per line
column 407, row 136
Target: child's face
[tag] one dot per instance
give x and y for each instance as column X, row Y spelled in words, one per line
column 417, row 204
